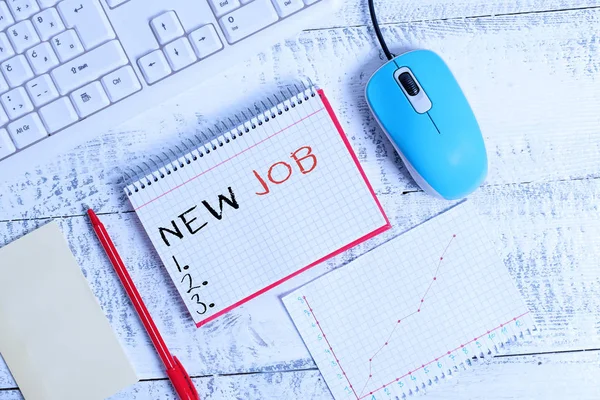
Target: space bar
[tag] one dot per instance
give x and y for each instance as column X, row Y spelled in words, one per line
column 89, row 66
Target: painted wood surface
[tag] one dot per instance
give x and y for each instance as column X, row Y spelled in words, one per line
column 530, row 377
column 530, row 71
column 548, row 235
column 394, row 11
column 509, row 68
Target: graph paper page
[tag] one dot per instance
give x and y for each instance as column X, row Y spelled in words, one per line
column 262, row 207
column 410, row 310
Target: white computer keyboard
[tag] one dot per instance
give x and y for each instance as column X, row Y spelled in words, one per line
column 72, row 69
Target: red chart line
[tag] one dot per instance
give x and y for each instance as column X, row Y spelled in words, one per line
column 330, row 348
column 419, row 306
column 359, row 397
column 445, row 354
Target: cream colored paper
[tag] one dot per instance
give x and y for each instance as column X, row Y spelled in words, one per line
column 54, row 336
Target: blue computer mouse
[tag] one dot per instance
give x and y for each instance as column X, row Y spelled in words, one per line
column 422, row 109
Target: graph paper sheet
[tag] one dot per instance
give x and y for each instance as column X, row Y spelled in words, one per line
column 257, row 206
column 411, row 310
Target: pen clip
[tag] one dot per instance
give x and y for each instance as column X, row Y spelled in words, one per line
column 191, row 388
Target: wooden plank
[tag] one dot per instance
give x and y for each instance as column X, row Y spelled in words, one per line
column 548, row 234
column 300, row 385
column 354, row 13
column 539, row 377
column 533, row 377
column 513, row 69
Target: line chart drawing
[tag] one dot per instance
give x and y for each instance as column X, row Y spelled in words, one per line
column 405, row 317
column 411, row 311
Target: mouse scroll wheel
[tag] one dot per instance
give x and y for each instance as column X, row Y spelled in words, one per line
column 409, row 84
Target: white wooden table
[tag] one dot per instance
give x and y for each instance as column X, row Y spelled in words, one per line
column 531, row 70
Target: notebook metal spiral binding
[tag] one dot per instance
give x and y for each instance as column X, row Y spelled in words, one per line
column 199, row 149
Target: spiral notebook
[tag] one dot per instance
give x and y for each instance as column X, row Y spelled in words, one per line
column 411, row 312
column 258, row 205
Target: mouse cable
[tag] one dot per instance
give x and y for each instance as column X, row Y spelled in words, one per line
column 382, row 43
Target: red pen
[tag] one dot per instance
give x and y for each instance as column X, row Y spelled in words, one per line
column 177, row 374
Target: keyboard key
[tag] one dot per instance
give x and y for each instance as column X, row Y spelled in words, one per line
column 17, row 71
column 167, row 27
column 3, row 117
column 205, row 41
column 248, row 19
column 287, row 7
column 121, row 83
column 47, row 3
column 154, row 66
column 58, row 114
column 3, row 87
column 6, row 49
column 23, row 9
column 42, row 58
column 23, row 36
column 48, row 23
column 114, row 3
column 309, row 2
column 222, row 7
column 6, row 18
column 89, row 19
column 27, row 130
column 7, row 147
column 67, row 45
column 89, row 99
column 89, row 66
column 41, row 90
column 180, row 53
column 16, row 103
